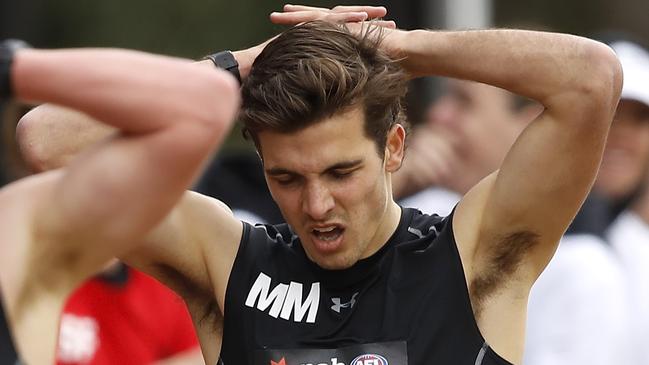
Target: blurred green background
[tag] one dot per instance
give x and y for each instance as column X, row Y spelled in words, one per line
column 191, row 28
column 194, row 28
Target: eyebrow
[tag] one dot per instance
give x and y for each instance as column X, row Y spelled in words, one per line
column 275, row 171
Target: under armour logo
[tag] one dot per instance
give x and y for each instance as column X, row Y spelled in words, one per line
column 338, row 305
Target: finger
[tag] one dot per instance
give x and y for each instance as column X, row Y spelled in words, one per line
column 384, row 23
column 308, row 15
column 346, row 17
column 389, row 24
column 296, row 17
column 293, row 8
column 372, row 11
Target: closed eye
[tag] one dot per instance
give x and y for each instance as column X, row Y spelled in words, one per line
column 341, row 174
column 285, row 180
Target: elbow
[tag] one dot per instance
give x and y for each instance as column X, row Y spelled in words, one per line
column 29, row 148
column 603, row 86
column 204, row 111
column 220, row 97
column 31, row 142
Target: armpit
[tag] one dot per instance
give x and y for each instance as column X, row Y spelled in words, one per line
column 501, row 265
column 199, row 299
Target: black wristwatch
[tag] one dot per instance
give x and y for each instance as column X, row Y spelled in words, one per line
column 225, row 60
column 7, row 50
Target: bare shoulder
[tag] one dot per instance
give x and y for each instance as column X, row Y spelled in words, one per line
column 210, row 222
column 192, row 250
column 219, row 234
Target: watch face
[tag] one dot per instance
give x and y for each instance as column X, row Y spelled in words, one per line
column 225, row 60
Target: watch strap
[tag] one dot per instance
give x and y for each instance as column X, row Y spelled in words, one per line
column 225, row 60
column 7, row 50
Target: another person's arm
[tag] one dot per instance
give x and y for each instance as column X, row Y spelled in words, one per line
column 60, row 227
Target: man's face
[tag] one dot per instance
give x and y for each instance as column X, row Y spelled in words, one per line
column 333, row 188
column 626, row 157
column 480, row 124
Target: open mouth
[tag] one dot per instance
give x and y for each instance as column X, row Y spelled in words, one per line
column 327, row 238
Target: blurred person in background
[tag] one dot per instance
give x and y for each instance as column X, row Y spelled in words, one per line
column 122, row 316
column 580, row 298
column 60, row 227
column 624, row 180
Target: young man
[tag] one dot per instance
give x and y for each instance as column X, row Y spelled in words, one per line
column 60, row 227
column 353, row 278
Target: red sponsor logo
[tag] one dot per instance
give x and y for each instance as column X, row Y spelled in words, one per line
column 281, row 362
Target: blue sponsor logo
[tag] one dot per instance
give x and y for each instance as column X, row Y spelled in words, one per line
column 369, row 359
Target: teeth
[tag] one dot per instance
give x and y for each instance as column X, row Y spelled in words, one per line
column 324, row 230
column 325, row 238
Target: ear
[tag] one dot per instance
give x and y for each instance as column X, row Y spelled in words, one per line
column 394, row 148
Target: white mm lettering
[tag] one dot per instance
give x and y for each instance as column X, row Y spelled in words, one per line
column 260, row 290
column 287, row 298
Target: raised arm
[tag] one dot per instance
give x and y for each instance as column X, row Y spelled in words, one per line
column 508, row 226
column 520, row 212
column 60, row 227
column 170, row 116
column 551, row 167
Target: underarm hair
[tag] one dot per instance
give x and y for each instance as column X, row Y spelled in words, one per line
column 191, row 292
column 502, row 265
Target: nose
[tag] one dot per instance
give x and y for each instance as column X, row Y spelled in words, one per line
column 317, row 201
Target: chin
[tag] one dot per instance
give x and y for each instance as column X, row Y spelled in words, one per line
column 335, row 263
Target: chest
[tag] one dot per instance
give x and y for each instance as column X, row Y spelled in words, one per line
column 407, row 308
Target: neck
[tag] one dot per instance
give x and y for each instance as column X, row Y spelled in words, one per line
column 389, row 224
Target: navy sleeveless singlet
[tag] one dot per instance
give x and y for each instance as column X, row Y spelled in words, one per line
column 408, row 304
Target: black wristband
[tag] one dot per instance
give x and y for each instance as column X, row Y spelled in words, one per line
column 225, row 60
column 7, row 50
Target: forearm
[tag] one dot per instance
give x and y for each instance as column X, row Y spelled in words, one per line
column 102, row 84
column 539, row 65
column 171, row 115
column 50, row 136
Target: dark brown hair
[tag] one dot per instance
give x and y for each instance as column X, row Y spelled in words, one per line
column 316, row 70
